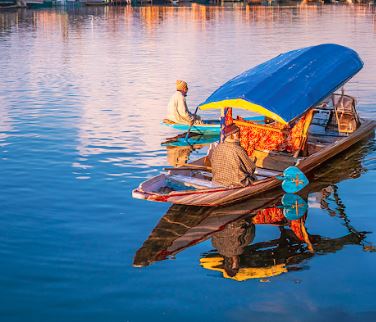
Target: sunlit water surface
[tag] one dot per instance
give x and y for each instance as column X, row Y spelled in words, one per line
column 82, row 92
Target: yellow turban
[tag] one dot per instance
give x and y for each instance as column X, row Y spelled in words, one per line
column 181, row 86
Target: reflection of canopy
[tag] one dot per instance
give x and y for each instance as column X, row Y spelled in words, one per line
column 215, row 263
column 286, row 86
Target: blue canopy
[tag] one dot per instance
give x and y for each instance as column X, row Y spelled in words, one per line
column 286, row 86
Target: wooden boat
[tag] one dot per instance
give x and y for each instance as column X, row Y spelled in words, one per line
column 322, row 124
column 185, row 226
column 194, row 140
column 209, row 127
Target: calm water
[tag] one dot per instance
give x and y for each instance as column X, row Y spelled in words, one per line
column 82, row 92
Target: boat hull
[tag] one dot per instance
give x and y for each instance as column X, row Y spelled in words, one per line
column 210, row 127
column 206, row 128
column 225, row 196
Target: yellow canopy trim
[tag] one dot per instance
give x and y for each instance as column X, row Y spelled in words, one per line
column 245, row 105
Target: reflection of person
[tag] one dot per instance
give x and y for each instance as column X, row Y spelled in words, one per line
column 231, row 241
column 178, row 155
column 177, row 110
column 230, row 163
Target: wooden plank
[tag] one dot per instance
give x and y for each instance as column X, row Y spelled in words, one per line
column 272, row 160
column 341, row 145
column 224, row 196
column 194, row 182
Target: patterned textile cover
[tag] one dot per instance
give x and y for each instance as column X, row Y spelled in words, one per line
column 297, row 227
column 228, row 117
column 274, row 215
column 288, row 139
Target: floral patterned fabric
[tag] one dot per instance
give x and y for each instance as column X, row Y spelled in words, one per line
column 266, row 137
column 269, row 216
column 296, row 226
column 252, row 138
column 275, row 215
column 295, row 136
column 228, row 118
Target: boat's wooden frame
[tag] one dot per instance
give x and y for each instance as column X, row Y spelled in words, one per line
column 185, row 226
column 298, row 143
column 224, row 195
column 212, row 127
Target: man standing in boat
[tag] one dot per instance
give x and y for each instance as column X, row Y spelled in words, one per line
column 177, row 107
column 230, row 163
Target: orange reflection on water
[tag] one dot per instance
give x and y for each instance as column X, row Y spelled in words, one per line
column 123, row 61
column 150, row 16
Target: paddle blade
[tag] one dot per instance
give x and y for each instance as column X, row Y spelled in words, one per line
column 294, row 180
column 294, row 206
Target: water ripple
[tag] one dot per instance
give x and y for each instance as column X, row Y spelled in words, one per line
column 82, row 94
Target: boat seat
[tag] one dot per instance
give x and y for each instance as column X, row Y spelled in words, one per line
column 320, row 121
column 259, row 173
column 197, row 183
column 346, row 115
column 194, row 182
column 266, row 173
column 272, row 160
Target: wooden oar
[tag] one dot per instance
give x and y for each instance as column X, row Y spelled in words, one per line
column 180, row 136
column 193, row 122
column 196, row 166
column 188, row 166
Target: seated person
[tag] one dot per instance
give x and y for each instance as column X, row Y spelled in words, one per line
column 177, row 110
column 231, row 165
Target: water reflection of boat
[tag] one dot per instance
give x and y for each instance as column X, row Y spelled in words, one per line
column 277, row 256
column 179, row 148
column 311, row 124
column 209, row 126
column 232, row 228
column 192, row 140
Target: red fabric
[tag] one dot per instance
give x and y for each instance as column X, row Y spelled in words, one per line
column 295, row 135
column 265, row 138
column 252, row 138
column 296, row 227
column 275, row 215
column 269, row 216
column 228, row 118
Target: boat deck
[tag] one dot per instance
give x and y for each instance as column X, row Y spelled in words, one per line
column 193, row 182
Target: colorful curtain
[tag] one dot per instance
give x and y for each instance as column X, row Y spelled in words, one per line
column 274, row 215
column 269, row 216
column 272, row 137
